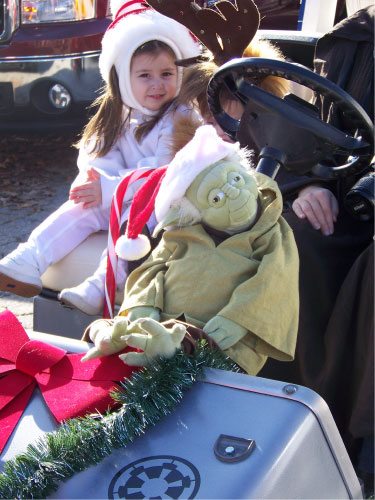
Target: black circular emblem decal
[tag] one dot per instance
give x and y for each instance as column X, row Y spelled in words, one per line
column 162, row 476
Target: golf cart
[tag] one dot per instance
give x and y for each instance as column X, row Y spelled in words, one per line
column 178, row 458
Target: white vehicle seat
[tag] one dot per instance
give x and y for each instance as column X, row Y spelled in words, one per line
column 51, row 315
column 79, row 264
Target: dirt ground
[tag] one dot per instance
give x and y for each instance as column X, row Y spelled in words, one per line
column 35, row 176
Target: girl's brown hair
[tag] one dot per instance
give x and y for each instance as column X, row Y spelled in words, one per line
column 195, row 82
column 109, row 121
column 196, row 77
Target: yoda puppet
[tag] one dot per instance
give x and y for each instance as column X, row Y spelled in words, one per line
column 227, row 263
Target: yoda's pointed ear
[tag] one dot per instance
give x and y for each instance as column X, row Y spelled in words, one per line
column 172, row 218
column 185, row 214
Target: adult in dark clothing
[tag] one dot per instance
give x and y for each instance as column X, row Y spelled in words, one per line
column 325, row 262
column 334, row 354
column 348, row 376
column 345, row 55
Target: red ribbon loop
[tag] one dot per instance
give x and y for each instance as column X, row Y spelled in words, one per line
column 70, row 388
column 36, row 356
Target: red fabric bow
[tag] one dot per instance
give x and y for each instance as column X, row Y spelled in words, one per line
column 69, row 387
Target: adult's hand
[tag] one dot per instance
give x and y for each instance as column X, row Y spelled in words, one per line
column 319, row 206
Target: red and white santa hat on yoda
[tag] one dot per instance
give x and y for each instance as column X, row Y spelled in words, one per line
column 135, row 23
column 165, row 188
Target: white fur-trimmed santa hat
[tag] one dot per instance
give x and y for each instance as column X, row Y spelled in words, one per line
column 166, row 187
column 134, row 24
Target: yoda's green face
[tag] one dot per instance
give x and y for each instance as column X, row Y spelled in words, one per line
column 226, row 195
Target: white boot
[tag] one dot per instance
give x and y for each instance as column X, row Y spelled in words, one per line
column 19, row 272
column 87, row 297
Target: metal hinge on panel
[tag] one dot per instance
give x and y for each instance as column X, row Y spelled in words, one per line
column 233, row 449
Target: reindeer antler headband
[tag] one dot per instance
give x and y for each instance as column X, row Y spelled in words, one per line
column 225, row 31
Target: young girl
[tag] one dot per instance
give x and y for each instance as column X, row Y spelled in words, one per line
column 193, row 92
column 130, row 130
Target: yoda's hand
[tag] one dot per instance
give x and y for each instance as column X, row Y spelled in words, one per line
column 143, row 312
column 107, row 337
column 154, row 340
column 224, row 332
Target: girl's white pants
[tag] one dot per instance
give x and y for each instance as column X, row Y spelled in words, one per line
column 63, row 230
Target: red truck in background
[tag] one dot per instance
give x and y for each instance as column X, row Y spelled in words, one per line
column 49, row 53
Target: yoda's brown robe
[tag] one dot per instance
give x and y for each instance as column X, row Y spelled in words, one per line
column 250, row 278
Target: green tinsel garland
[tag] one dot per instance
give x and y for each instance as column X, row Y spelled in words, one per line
column 79, row 443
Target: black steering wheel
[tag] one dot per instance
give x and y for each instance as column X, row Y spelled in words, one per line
column 290, row 128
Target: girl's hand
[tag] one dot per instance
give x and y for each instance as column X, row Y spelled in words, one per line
column 90, row 192
column 319, row 206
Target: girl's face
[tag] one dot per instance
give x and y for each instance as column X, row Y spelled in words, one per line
column 153, row 79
